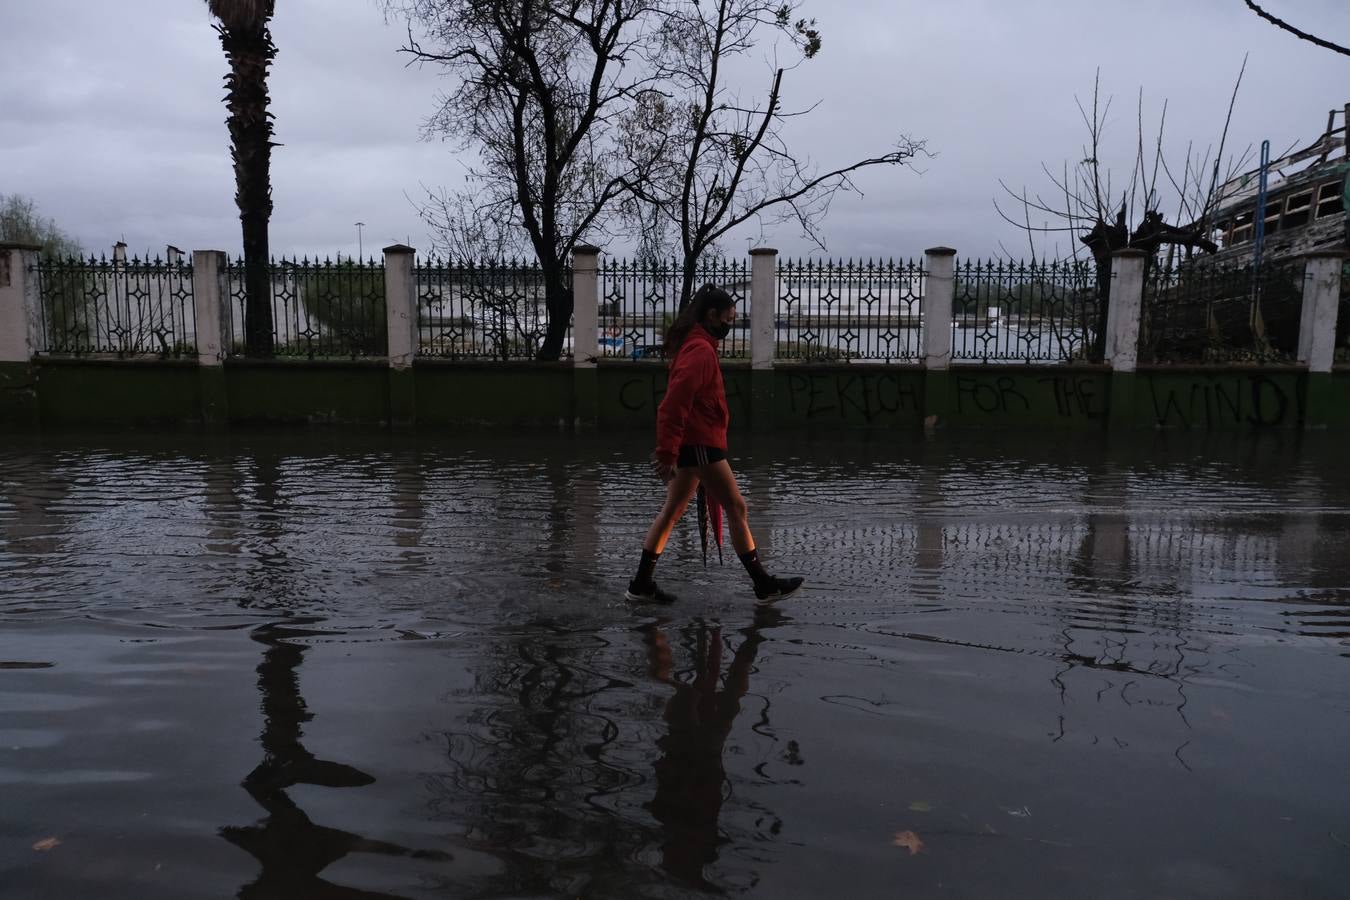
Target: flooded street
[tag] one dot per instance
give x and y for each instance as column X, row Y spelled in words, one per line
column 345, row 666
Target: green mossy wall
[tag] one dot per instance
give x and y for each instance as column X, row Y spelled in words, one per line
column 296, row 392
column 1220, row 399
column 624, row 396
column 117, row 392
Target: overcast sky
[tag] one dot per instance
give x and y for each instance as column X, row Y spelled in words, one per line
column 111, row 116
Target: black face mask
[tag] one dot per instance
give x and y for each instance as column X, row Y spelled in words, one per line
column 718, row 330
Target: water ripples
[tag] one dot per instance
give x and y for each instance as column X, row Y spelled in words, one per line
column 439, row 624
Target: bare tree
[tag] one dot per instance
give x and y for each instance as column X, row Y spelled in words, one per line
column 482, row 241
column 1103, row 215
column 1298, row 33
column 466, row 225
column 541, row 88
column 730, row 162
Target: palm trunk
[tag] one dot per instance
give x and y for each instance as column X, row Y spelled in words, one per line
column 257, row 287
column 250, row 52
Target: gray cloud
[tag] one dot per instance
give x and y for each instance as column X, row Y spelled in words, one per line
column 112, row 117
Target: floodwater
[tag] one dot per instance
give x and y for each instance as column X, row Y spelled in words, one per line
column 345, row 666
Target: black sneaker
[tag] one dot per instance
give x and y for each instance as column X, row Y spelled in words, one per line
column 647, row 593
column 778, row 588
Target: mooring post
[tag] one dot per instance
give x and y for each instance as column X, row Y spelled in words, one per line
column 400, row 305
column 19, row 309
column 210, row 322
column 763, row 306
column 1124, row 309
column 585, row 335
column 935, row 332
column 763, row 334
column 1124, row 312
column 400, row 311
column 208, row 306
column 1317, row 332
column 936, row 324
column 20, row 332
column 585, row 305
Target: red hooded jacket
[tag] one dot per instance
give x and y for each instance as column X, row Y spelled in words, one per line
column 694, row 409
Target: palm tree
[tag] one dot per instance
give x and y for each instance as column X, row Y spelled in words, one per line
column 242, row 26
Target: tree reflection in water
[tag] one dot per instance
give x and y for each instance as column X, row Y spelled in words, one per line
column 291, row 849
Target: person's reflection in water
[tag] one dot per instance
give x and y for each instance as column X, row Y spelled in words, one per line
column 291, row 849
column 690, row 777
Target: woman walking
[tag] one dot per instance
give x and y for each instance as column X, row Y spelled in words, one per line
column 691, row 445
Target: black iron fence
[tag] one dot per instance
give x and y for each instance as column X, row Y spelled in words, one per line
column 640, row 299
column 849, row 309
column 93, row 307
column 1008, row 311
column 1202, row 313
column 1197, row 312
column 319, row 309
column 489, row 310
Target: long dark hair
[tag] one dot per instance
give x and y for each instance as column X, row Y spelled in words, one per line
column 708, row 297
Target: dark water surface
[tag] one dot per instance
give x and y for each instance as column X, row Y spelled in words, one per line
column 345, row 666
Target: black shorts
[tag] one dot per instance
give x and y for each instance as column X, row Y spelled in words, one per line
column 694, row 455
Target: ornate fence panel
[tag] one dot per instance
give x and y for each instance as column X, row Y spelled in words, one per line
column 854, row 310
column 1004, row 312
column 95, row 307
column 1204, row 313
column 319, row 309
column 491, row 310
column 639, row 301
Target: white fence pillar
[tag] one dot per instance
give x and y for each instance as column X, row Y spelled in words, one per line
column 940, row 291
column 585, row 305
column 1124, row 308
column 1317, row 324
column 208, row 306
column 400, row 305
column 18, row 301
column 763, row 306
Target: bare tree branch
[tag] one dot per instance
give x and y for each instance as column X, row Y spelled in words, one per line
column 1302, row 35
column 729, row 162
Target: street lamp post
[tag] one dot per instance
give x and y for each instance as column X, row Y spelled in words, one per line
column 360, row 248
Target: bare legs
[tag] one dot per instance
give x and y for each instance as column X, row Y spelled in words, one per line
column 679, row 491
column 721, row 484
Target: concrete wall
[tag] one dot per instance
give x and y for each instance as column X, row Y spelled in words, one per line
column 624, row 396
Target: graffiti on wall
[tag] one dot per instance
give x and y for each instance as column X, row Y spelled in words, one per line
column 1065, row 396
column 872, row 398
column 852, row 397
column 640, row 393
column 1209, row 401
